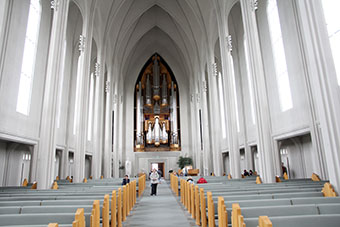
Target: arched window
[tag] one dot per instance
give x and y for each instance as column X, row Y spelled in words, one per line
column 282, row 77
column 28, row 61
column 331, row 10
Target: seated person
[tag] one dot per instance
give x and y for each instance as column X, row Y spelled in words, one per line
column 202, row 181
column 190, row 180
column 250, row 172
column 126, row 180
column 245, row 173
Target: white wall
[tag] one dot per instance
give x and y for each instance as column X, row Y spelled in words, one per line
column 296, row 118
column 12, row 122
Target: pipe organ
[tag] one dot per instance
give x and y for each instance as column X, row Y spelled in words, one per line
column 156, row 108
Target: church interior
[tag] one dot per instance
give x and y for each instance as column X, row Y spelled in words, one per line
column 93, row 90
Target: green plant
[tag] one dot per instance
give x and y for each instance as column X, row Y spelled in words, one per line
column 184, row 161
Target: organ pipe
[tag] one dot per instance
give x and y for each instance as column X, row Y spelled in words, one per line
column 149, row 134
column 157, row 131
column 156, row 95
column 164, row 134
column 174, row 132
column 139, row 116
column 164, row 91
column 148, row 100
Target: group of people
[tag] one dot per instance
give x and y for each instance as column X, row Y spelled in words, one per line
column 246, row 173
column 200, row 181
column 155, row 177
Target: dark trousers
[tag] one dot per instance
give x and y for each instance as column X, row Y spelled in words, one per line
column 153, row 189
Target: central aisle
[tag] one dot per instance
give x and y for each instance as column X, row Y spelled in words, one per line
column 161, row 210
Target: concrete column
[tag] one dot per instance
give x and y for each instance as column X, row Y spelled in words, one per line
column 108, row 127
column 44, row 162
column 247, row 150
column 215, row 129
column 318, row 155
column 264, row 140
column 97, row 120
column 195, row 133
column 81, row 104
column 116, row 131
column 322, row 77
column 207, row 167
column 229, row 96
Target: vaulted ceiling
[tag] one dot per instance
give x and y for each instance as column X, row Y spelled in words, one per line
column 179, row 30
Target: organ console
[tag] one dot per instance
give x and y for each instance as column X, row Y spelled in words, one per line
column 156, row 108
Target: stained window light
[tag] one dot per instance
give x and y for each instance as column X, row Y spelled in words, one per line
column 28, row 61
column 280, row 62
column 222, row 111
column 90, row 110
column 331, row 10
column 250, row 82
column 235, row 93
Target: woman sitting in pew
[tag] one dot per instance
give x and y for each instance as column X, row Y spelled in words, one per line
column 202, row 181
column 190, row 180
column 245, row 173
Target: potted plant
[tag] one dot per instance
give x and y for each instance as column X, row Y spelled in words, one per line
column 184, row 161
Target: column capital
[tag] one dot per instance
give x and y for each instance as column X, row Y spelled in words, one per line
column 82, row 40
column 97, row 69
column 55, row 4
column 214, row 69
column 254, row 5
column 229, row 43
column 204, row 86
column 107, row 86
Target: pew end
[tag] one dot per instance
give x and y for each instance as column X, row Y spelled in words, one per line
column 264, row 221
column 328, row 190
column 315, row 177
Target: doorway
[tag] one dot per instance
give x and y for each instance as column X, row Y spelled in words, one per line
column 158, row 166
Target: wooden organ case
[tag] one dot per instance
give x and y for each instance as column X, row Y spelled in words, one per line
column 156, row 120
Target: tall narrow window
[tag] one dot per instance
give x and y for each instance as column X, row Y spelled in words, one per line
column 331, row 10
column 235, row 93
column 223, row 116
column 250, row 82
column 90, row 111
column 28, row 61
column 280, row 62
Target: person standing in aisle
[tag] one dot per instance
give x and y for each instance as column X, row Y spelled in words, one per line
column 154, row 176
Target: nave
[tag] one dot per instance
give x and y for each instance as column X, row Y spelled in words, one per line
column 161, row 210
column 220, row 202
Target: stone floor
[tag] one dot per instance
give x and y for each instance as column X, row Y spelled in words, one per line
column 165, row 209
